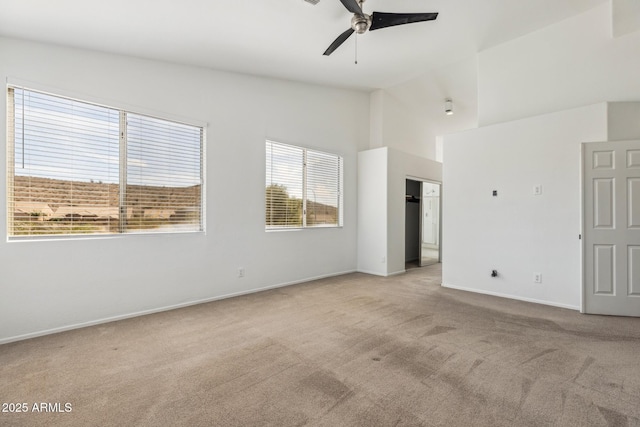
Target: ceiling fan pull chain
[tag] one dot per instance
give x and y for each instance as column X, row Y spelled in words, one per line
column 356, row 49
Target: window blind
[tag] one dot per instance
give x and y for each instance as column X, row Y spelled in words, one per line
column 65, row 166
column 324, row 189
column 69, row 172
column 284, row 181
column 303, row 187
column 163, row 179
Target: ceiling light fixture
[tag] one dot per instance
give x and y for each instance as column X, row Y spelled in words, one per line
column 448, row 106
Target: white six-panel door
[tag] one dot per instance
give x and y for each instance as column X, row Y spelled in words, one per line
column 611, row 224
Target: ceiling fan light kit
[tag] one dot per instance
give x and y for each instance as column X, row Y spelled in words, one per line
column 361, row 22
column 448, row 106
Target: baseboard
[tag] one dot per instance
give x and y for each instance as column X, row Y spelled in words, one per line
column 373, row 273
column 501, row 295
column 165, row 308
column 377, row 273
column 395, row 273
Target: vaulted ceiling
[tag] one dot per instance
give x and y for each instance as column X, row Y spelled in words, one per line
column 285, row 38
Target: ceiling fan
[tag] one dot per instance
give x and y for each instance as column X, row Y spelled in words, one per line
column 361, row 22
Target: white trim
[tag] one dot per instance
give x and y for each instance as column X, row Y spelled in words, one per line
column 269, row 145
column 103, row 102
column 373, row 273
column 583, row 298
column 166, row 308
column 430, row 181
column 123, row 124
column 396, row 273
column 57, row 238
column 513, row 297
column 203, row 177
column 381, row 274
column 433, row 182
column 316, row 148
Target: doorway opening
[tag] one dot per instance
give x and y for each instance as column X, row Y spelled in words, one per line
column 422, row 223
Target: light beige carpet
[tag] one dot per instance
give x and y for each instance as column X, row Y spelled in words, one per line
column 354, row 350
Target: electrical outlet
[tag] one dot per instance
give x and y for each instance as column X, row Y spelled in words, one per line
column 537, row 277
column 241, row 272
column 537, row 190
column 383, row 260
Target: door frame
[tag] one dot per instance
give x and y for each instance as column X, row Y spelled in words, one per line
column 583, row 212
column 439, row 183
column 584, row 226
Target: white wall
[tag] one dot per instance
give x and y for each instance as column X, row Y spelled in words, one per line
column 532, row 93
column 626, row 17
column 372, row 211
column 376, row 119
column 563, row 69
column 410, row 116
column 52, row 285
column 518, row 233
column 573, row 63
column 623, row 120
column 382, row 174
column 401, row 166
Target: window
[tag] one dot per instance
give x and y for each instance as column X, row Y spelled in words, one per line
column 303, row 187
column 80, row 168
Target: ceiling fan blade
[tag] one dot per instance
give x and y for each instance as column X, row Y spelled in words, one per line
column 352, row 6
column 384, row 20
column 337, row 42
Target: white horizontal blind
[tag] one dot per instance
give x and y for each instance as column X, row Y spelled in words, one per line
column 324, row 189
column 163, row 180
column 303, row 187
column 63, row 167
column 284, row 185
column 67, row 169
